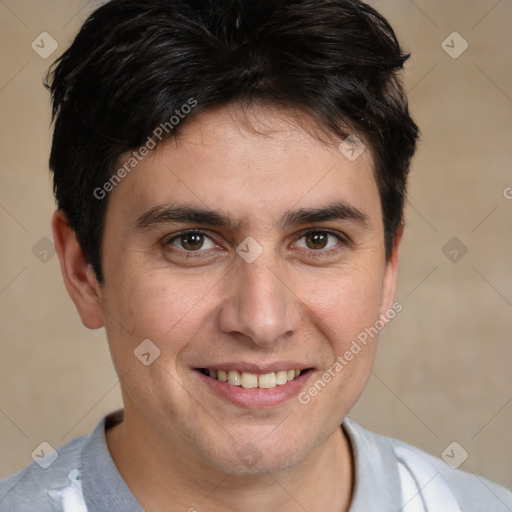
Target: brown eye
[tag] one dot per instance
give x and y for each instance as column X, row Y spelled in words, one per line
column 317, row 240
column 192, row 242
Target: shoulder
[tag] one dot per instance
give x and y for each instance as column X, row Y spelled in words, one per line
column 469, row 488
column 472, row 492
column 44, row 482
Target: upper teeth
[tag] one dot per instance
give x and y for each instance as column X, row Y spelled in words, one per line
column 253, row 380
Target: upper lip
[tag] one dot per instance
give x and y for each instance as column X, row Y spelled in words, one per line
column 256, row 367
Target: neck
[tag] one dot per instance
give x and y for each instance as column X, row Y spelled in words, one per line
column 169, row 479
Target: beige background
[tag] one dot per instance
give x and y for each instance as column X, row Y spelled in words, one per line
column 443, row 369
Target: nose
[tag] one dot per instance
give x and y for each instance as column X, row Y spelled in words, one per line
column 260, row 305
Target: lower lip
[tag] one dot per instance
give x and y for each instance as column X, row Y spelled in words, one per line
column 256, row 397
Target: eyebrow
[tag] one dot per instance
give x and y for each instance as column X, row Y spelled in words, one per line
column 183, row 213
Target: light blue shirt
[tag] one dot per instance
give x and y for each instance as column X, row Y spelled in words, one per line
column 390, row 476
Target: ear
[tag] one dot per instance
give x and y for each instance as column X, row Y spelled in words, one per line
column 79, row 278
column 391, row 272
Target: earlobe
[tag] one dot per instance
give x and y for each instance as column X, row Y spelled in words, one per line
column 79, row 278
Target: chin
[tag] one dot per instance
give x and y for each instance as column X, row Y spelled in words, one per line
column 253, row 460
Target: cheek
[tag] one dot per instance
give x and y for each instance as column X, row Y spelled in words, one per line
column 346, row 310
column 153, row 305
column 346, row 304
column 165, row 310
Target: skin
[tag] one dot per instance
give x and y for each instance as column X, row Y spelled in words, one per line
column 177, row 447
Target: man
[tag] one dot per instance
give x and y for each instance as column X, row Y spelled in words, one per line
column 230, row 179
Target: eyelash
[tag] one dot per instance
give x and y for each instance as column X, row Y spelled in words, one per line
column 312, row 253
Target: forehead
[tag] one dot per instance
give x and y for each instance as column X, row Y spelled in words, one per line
column 252, row 166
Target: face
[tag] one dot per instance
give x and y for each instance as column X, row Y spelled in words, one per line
column 252, row 255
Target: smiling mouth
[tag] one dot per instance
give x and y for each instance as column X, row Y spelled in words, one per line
column 248, row 380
